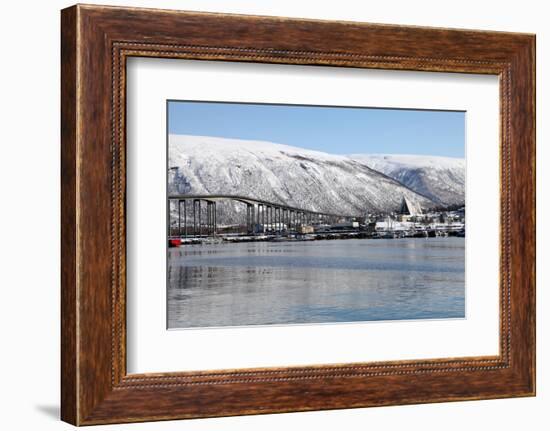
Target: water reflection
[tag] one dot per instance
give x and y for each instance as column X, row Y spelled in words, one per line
column 315, row 282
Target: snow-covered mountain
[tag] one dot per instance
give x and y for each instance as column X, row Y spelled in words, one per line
column 442, row 179
column 279, row 173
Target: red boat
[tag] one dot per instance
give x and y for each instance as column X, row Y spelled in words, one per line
column 174, row 243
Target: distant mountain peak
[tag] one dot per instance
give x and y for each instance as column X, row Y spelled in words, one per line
column 442, row 179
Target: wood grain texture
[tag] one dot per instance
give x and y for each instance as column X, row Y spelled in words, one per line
column 69, row 367
column 96, row 41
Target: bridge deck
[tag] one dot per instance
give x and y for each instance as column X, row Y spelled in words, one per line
column 254, row 201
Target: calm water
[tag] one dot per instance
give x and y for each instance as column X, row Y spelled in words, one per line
column 350, row 280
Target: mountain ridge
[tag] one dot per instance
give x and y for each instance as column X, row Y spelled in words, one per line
column 293, row 176
column 441, row 179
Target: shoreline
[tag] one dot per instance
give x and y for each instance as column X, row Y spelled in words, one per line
column 177, row 242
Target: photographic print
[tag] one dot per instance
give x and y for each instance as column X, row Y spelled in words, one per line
column 293, row 214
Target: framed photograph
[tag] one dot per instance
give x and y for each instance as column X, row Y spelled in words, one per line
column 264, row 214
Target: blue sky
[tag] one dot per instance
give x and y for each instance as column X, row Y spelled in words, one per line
column 333, row 130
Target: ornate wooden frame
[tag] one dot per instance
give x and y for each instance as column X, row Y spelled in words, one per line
column 96, row 41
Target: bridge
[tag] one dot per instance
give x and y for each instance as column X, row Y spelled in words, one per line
column 273, row 217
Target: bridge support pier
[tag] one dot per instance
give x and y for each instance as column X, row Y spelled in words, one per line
column 261, row 215
column 253, row 217
column 179, row 218
column 211, row 218
column 200, row 218
column 289, row 217
column 194, row 218
column 185, row 218
column 249, row 217
column 208, row 218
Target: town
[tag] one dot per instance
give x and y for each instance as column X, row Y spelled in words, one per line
column 269, row 222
